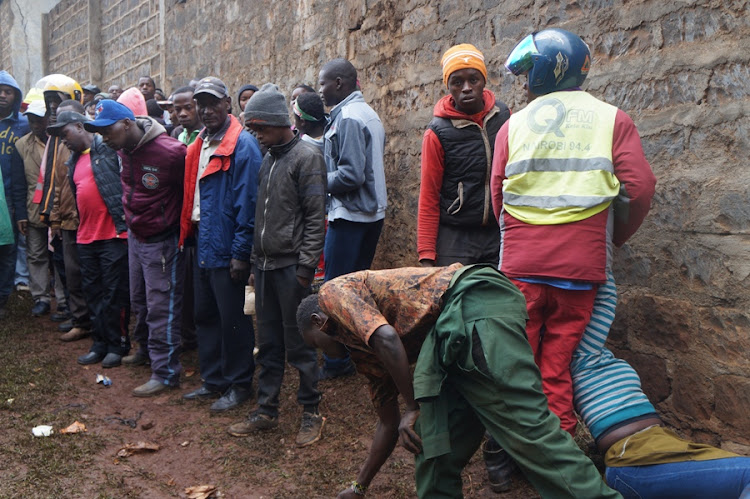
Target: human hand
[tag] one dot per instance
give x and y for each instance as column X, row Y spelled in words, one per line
column 407, row 436
column 305, row 283
column 22, row 224
column 56, row 233
column 239, row 271
column 427, row 263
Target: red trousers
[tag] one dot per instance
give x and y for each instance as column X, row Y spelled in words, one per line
column 557, row 319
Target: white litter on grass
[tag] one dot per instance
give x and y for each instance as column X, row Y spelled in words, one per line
column 42, row 431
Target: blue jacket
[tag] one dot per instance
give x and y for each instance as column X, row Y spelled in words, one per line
column 228, row 193
column 12, row 128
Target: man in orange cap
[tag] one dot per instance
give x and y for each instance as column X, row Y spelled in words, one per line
column 455, row 220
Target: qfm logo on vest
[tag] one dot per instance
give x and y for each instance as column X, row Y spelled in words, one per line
column 550, row 116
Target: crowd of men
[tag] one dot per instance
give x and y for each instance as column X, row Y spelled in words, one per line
column 166, row 207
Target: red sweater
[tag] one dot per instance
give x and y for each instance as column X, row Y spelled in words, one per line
column 433, row 157
column 578, row 250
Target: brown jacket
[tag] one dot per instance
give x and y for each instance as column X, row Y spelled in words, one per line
column 64, row 214
column 31, row 150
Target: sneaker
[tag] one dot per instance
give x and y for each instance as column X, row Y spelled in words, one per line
column 137, row 359
column 40, row 308
column 256, row 421
column 330, row 373
column 311, row 429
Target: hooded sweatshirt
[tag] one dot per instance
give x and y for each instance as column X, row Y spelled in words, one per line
column 433, row 166
column 13, row 127
column 152, row 179
column 132, row 98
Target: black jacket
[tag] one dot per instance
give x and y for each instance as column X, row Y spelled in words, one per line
column 290, row 213
column 465, row 194
column 106, row 167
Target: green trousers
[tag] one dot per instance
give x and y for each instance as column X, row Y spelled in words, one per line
column 494, row 384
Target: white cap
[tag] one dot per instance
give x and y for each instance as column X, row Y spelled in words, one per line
column 37, row 108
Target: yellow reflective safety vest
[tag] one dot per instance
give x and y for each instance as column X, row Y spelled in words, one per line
column 559, row 166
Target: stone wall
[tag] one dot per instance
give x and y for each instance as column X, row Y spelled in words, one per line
column 68, row 40
column 680, row 69
column 130, row 41
column 7, row 17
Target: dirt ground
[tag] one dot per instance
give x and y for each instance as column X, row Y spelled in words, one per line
column 41, row 383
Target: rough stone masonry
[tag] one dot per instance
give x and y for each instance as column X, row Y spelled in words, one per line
column 680, row 69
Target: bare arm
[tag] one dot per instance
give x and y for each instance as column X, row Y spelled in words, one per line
column 383, row 443
column 387, row 345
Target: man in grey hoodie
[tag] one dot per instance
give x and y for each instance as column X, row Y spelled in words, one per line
column 354, row 145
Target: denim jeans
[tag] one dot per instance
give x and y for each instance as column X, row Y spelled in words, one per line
column 22, row 268
column 727, row 478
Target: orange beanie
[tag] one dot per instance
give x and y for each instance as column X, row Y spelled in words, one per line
column 462, row 56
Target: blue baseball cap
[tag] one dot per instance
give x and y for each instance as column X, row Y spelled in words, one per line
column 109, row 112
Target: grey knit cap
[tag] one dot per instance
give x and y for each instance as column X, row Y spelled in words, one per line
column 267, row 107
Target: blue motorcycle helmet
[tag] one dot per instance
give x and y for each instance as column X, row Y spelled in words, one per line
column 555, row 59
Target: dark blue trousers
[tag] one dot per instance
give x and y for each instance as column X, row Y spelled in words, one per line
column 225, row 333
column 350, row 246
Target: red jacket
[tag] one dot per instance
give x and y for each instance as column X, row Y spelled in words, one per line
column 433, row 161
column 579, row 250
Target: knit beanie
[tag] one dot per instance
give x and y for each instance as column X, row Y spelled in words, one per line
column 267, row 107
column 462, row 56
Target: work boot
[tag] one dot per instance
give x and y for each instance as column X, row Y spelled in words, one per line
column 500, row 466
column 40, row 308
column 311, row 429
column 256, row 421
column 65, row 326
column 151, row 388
column 232, row 398
column 74, row 334
column 137, row 359
column 202, row 393
column 112, row 360
column 62, row 314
